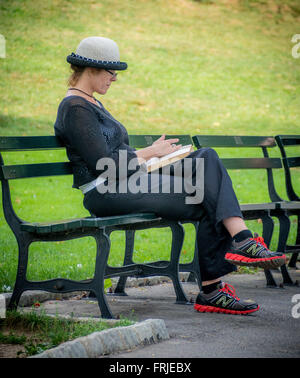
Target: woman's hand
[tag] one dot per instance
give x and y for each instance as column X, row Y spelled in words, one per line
column 162, row 139
column 159, row 140
column 159, row 148
column 162, row 146
column 165, row 147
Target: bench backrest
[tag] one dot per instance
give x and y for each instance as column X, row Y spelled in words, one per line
column 31, row 143
column 35, row 143
column 265, row 162
column 285, row 141
column 40, row 143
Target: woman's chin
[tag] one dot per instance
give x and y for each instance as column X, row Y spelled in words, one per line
column 102, row 91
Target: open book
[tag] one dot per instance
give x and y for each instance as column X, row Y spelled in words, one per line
column 156, row 162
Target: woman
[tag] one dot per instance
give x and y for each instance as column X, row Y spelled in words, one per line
column 90, row 134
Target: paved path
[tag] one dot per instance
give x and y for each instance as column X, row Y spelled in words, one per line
column 270, row 332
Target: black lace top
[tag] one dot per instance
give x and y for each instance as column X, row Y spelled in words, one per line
column 90, row 133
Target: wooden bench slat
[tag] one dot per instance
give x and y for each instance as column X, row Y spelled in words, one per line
column 289, row 140
column 233, row 141
column 258, row 206
column 10, row 172
column 53, row 142
column 30, row 143
column 291, row 205
column 251, row 163
column 89, row 222
column 293, row 161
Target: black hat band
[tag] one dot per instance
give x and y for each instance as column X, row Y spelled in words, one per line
column 79, row 60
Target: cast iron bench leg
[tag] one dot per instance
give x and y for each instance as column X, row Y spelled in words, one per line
column 172, row 268
column 96, row 285
column 293, row 260
column 287, row 279
column 193, row 267
column 294, row 257
column 270, row 279
column 23, row 245
column 103, row 248
column 284, row 222
column 120, row 288
column 177, row 242
column 268, row 227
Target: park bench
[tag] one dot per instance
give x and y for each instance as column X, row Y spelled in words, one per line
column 276, row 207
column 60, row 230
column 101, row 228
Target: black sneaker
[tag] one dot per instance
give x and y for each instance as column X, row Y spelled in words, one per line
column 224, row 300
column 254, row 252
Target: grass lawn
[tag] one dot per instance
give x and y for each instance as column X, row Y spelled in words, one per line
column 27, row 334
column 195, row 67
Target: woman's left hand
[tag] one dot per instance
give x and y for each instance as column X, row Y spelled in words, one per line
column 162, row 139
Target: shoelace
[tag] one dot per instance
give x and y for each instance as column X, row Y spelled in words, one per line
column 260, row 240
column 229, row 289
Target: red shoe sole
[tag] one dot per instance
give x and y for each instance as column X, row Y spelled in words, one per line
column 203, row 308
column 268, row 262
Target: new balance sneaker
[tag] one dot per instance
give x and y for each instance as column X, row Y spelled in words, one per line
column 254, row 252
column 224, row 300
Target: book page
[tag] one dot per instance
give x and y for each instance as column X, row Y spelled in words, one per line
column 155, row 163
column 182, row 150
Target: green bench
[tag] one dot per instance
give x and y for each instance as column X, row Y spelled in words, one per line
column 60, row 230
column 101, row 228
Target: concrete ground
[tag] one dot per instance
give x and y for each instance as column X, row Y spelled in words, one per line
column 273, row 331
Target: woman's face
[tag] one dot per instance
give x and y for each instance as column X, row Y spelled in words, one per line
column 102, row 79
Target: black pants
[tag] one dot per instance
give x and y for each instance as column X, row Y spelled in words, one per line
column 219, row 203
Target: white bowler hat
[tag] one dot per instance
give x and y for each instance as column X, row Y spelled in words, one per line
column 97, row 52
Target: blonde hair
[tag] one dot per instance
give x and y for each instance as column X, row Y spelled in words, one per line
column 77, row 72
column 75, row 75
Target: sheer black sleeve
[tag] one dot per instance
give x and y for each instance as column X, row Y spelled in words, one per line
column 85, row 134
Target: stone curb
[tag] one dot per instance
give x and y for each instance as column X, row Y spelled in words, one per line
column 112, row 340
column 108, row 341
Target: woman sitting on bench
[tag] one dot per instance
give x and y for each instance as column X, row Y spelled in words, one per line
column 91, row 134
